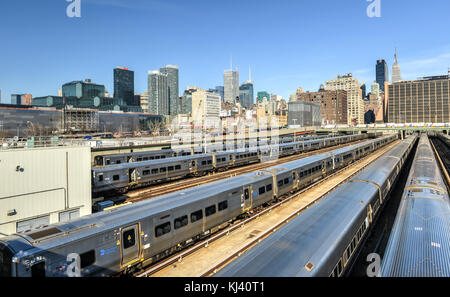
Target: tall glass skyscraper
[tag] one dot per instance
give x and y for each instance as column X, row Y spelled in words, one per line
column 172, row 73
column 231, row 86
column 246, row 94
column 158, row 93
column 382, row 73
column 124, row 86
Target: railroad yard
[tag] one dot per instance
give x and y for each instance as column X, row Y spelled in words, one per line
column 327, row 202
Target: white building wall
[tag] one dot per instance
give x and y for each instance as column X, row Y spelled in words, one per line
column 43, row 183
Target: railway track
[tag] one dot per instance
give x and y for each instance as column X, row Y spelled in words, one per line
column 442, row 152
column 254, row 229
column 155, row 191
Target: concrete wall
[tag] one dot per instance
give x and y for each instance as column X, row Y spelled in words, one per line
column 42, row 183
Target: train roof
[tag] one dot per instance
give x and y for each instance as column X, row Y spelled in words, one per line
column 420, row 239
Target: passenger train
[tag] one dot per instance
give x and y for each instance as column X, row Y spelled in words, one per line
column 123, row 239
column 419, row 243
column 325, row 239
column 115, row 159
column 123, row 177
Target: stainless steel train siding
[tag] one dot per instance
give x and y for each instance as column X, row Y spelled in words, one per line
column 323, row 240
column 419, row 245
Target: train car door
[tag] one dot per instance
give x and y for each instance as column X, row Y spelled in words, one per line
column 246, row 199
column 193, row 166
column 133, row 176
column 295, row 180
column 130, row 245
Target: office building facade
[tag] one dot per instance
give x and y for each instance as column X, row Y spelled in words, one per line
column 172, row 73
column 304, row 114
column 355, row 103
column 419, row 101
column 158, row 93
column 333, row 105
column 246, row 95
column 83, row 89
column 382, row 73
column 124, row 85
column 231, row 86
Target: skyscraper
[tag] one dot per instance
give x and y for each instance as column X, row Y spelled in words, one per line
column 231, row 86
column 355, row 104
column 124, row 85
column 172, row 72
column 246, row 93
column 396, row 73
column 382, row 73
column 158, row 93
column 363, row 90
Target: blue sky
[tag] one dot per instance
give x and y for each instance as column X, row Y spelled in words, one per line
column 287, row 43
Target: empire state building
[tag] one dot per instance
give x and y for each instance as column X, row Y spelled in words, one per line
column 396, row 74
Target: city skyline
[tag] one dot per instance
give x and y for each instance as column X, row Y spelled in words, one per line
column 279, row 69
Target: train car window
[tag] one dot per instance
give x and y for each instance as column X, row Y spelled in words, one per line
column 193, row 163
column 223, row 205
column 339, row 267
column 162, row 169
column 100, row 177
column 118, row 162
column 195, row 216
column 262, row 190
column 129, row 239
column 209, row 211
column 309, row 171
column 177, row 167
column 170, row 168
column 162, row 229
column 301, row 174
column 139, row 159
column 209, row 162
column 246, row 194
column 163, row 157
column 286, row 181
column 150, row 158
column 87, row 259
column 116, row 177
column 38, row 270
column 280, row 183
column 108, row 162
column 180, row 222
column 155, row 171
column 269, row 188
column 146, row 172
column 157, row 157
column 203, row 162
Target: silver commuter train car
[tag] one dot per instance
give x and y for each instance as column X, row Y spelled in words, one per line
column 419, row 244
column 122, row 239
column 324, row 238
